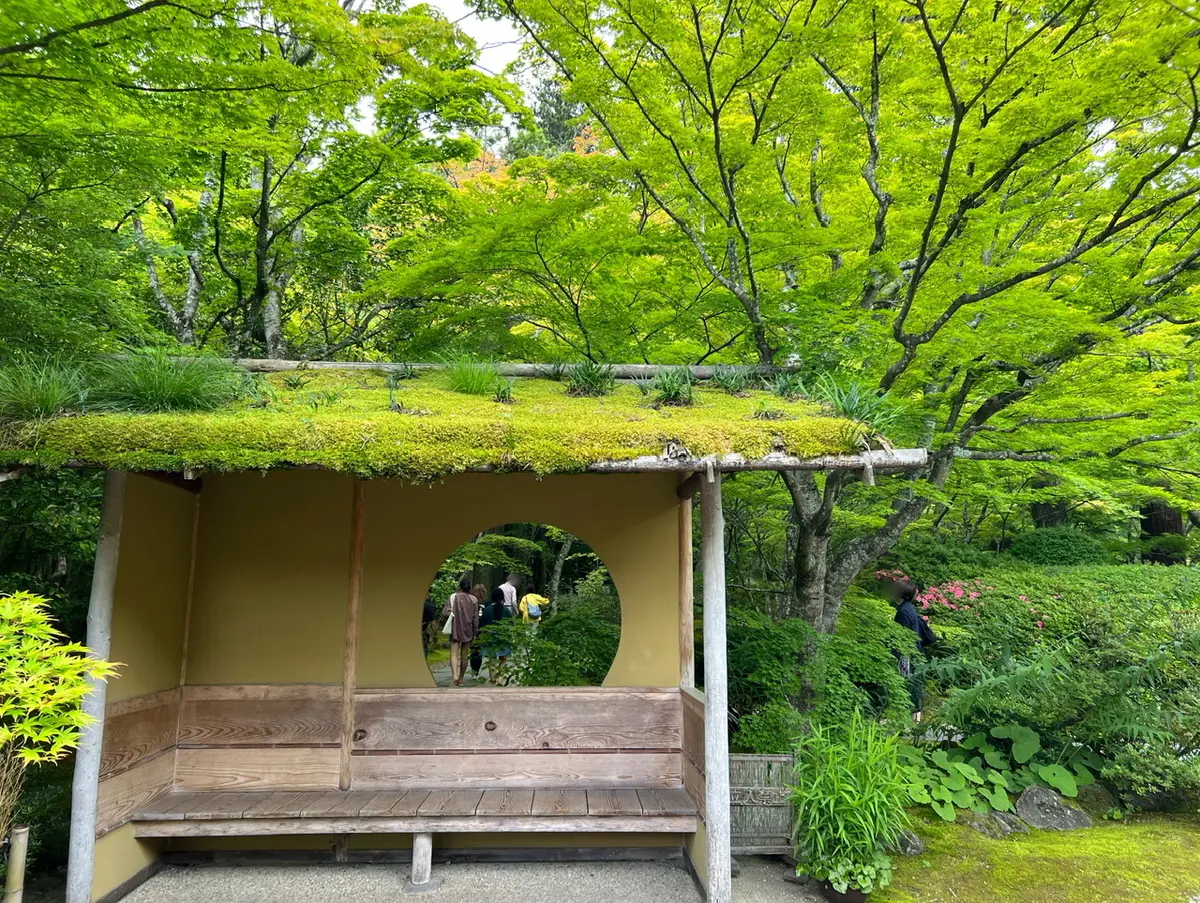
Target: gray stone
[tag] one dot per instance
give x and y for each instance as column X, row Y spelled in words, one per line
column 735, row 867
column 1040, row 807
column 910, row 844
column 995, row 824
column 1095, row 800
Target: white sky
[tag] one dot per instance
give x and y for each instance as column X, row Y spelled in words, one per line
column 499, row 42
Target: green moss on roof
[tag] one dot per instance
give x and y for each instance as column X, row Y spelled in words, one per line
column 342, row 421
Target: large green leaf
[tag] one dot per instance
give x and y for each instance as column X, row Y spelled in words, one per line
column 1059, row 778
column 1025, row 741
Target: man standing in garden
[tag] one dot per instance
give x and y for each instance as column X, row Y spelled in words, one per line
column 904, row 595
column 509, row 588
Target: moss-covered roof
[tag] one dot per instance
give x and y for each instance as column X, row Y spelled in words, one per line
column 344, row 421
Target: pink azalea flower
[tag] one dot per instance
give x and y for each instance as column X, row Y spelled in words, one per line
column 1041, row 624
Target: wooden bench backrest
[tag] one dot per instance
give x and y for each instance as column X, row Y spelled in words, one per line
column 280, row 738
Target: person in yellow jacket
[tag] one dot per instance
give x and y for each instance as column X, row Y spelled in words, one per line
column 532, row 607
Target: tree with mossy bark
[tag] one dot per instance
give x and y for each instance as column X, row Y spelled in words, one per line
column 986, row 213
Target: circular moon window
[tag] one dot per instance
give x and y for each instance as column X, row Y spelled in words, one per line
column 525, row 605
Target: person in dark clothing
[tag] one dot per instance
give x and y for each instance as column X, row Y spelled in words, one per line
column 429, row 617
column 493, row 613
column 904, row 595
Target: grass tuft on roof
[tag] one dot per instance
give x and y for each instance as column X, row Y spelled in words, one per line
column 420, row 429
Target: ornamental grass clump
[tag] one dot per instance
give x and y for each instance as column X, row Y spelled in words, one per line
column 736, row 381
column 35, row 391
column 673, row 387
column 849, row 798
column 590, row 380
column 858, row 401
column 472, row 377
column 152, row 382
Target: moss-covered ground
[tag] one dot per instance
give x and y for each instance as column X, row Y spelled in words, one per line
column 345, row 421
column 1145, row 858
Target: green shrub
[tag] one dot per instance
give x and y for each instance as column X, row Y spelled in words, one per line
column 931, row 559
column 1152, row 775
column 34, row 391
column 590, row 379
column 770, row 730
column 1104, row 659
column 471, row 377
column 849, row 798
column 785, row 665
column 153, row 382
column 589, row 633
column 673, row 387
column 1059, row 546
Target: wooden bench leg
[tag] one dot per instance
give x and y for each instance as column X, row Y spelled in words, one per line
column 422, row 879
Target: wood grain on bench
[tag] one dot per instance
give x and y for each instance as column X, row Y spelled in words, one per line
column 254, row 813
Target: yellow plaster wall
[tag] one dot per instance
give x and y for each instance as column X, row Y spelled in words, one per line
column 120, row 856
column 695, row 847
column 629, row 520
column 273, row 568
column 151, row 592
column 271, row 578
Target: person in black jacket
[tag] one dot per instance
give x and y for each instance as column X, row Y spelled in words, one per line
column 904, row 595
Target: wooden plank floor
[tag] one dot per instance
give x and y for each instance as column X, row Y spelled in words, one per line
column 491, row 804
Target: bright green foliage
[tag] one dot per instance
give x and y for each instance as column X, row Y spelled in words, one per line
column 153, row 382
column 673, row 388
column 591, row 379
column 1144, row 860
column 42, row 685
column 1094, row 670
column 1058, row 546
column 778, row 669
column 734, row 380
column 849, row 798
column 985, row 212
column 980, row 772
column 472, row 377
column 346, row 423
column 32, row 390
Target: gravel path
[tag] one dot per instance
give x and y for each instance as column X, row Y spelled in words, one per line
column 761, row 881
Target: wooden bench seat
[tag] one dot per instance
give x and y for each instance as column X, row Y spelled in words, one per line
column 261, row 813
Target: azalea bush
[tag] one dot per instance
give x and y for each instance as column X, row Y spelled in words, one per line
column 43, row 681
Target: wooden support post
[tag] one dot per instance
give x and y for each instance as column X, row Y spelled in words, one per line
column 716, row 693
column 350, row 650
column 421, row 879
column 191, row 590
column 14, row 879
column 85, row 785
column 687, row 619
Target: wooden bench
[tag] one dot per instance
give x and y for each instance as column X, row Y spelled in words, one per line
column 421, row 813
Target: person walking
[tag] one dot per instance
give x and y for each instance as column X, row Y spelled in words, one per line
column 479, row 591
column 462, row 612
column 509, row 588
column 532, row 607
column 428, row 619
column 904, row 596
column 497, row 655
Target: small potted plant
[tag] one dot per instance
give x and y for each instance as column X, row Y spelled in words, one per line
column 849, row 798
